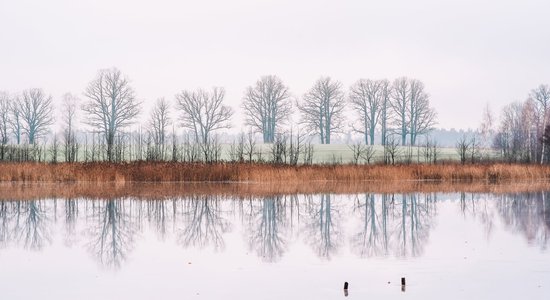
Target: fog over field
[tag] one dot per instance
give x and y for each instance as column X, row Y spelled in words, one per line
column 467, row 53
column 274, row 149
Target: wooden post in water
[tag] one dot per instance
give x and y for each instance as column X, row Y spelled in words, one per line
column 403, row 284
column 346, row 288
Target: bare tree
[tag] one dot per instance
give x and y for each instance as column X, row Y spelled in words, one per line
column 474, row 149
column 36, row 113
column 236, row 150
column 430, row 150
column 463, row 148
column 421, row 117
column 411, row 107
column 391, row 150
column 487, row 122
column 367, row 98
column 15, row 119
column 369, row 153
column 68, row 115
column 486, row 128
column 4, row 119
column 385, row 113
column 250, row 146
column 401, row 91
column 279, row 150
column 545, row 137
column 357, row 150
column 4, row 122
column 308, row 152
column 510, row 138
column 296, row 144
column 267, row 105
column 322, row 108
column 158, row 123
column 541, row 96
column 529, row 127
column 111, row 105
column 203, row 112
column 54, row 149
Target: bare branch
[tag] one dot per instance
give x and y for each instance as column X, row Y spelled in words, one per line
column 35, row 110
column 203, row 112
column 266, row 106
column 367, row 97
column 111, row 105
column 322, row 108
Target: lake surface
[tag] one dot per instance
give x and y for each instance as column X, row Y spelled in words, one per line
column 446, row 245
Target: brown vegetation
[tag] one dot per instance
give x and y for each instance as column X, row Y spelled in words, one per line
column 235, row 172
column 162, row 179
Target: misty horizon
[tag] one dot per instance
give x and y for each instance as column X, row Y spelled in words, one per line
column 467, row 54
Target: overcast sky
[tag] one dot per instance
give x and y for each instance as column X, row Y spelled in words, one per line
column 467, row 53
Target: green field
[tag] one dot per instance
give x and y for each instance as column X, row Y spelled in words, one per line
column 322, row 153
column 342, row 153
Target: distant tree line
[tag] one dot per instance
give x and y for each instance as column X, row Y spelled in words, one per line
column 398, row 111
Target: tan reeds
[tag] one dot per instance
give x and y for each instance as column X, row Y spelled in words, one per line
column 229, row 172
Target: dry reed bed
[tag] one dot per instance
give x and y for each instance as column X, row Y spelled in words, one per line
column 232, row 172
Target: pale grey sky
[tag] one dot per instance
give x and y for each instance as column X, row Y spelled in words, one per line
column 467, row 52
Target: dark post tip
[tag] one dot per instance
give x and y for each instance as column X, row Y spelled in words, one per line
column 345, row 285
column 402, row 280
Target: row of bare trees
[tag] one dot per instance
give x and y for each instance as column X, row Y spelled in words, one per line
column 110, row 106
column 30, row 114
column 401, row 107
column 523, row 133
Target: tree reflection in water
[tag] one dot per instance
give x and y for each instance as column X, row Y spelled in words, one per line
column 267, row 226
column 323, row 227
column 71, row 216
column 479, row 206
column 6, row 215
column 25, row 223
column 527, row 213
column 373, row 236
column 416, row 219
column 112, row 232
column 204, row 224
column 32, row 226
column 393, row 224
column 158, row 215
column 389, row 224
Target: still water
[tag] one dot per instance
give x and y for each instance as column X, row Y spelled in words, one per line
column 446, row 245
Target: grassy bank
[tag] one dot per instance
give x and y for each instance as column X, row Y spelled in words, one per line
column 242, row 172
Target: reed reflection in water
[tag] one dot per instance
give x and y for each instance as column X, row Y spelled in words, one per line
column 369, row 224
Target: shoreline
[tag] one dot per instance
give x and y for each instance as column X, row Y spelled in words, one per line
column 142, row 171
column 156, row 191
column 149, row 180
